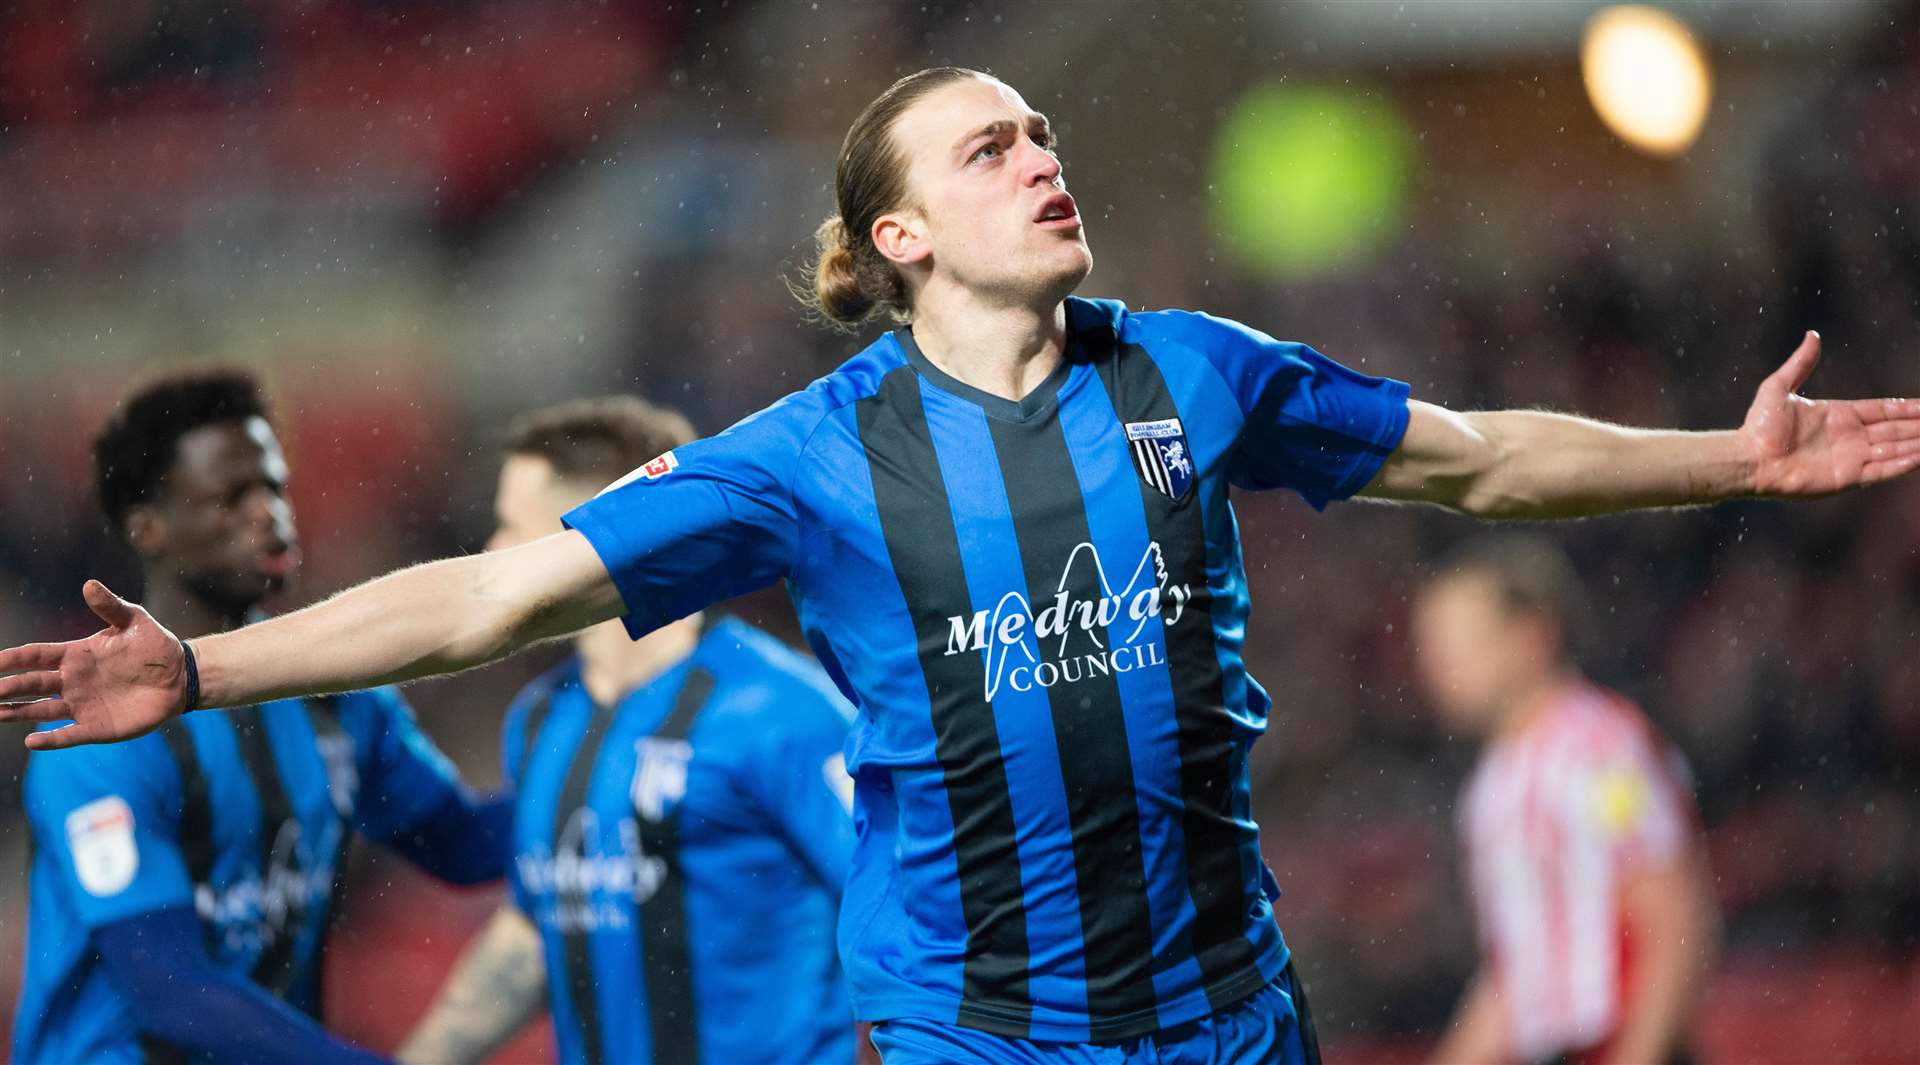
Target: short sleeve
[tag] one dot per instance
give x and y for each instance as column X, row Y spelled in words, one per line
column 1311, row 424
column 704, row 522
column 408, row 778
column 1636, row 799
column 107, row 819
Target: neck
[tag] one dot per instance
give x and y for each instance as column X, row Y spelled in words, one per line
column 1003, row 350
column 183, row 610
column 613, row 664
column 1530, row 701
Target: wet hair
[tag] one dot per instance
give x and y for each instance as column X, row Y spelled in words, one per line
column 1531, row 576
column 599, row 439
column 850, row 281
column 138, row 445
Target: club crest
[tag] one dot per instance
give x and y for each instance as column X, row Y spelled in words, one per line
column 1161, row 455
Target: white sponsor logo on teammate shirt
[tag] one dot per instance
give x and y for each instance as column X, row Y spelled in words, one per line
column 100, row 838
column 580, row 883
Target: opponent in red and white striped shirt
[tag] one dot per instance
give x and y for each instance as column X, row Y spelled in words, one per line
column 1583, row 853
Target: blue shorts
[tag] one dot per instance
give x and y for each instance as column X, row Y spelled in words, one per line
column 1270, row 1027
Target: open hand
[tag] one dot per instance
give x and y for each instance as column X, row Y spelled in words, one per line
column 121, row 682
column 1801, row 446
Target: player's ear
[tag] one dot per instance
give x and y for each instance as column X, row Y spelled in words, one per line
column 901, row 236
column 146, row 530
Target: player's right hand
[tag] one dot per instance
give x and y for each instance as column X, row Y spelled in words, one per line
column 121, row 682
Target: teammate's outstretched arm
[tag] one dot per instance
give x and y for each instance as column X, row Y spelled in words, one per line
column 441, row 617
column 498, row 986
column 1532, row 464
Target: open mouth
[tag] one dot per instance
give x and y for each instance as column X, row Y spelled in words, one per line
column 1058, row 212
column 278, row 562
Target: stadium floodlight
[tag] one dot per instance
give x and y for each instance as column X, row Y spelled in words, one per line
column 1647, row 77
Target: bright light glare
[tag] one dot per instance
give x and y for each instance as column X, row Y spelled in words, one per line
column 1647, row 77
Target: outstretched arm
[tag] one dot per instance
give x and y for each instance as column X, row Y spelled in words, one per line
column 464, row 841
column 442, row 617
column 1532, row 464
column 496, row 988
column 182, row 998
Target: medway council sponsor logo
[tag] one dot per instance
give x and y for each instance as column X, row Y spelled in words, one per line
column 583, row 882
column 267, row 904
column 1028, row 648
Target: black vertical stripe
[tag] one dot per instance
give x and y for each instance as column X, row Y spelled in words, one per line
column 196, row 813
column 917, row 524
column 665, row 957
column 1207, row 740
column 1302, row 1016
column 576, row 945
column 530, row 729
column 1050, row 521
column 196, row 848
column 687, row 705
column 324, row 714
column 274, row 968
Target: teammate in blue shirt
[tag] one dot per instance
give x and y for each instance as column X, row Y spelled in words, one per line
column 682, row 822
column 182, row 884
column 1007, row 534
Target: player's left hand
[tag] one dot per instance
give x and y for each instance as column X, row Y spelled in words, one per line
column 124, row 681
column 1805, row 447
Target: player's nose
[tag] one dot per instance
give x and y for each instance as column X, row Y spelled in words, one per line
column 1039, row 167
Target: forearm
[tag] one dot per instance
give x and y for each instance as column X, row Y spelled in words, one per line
column 182, row 999
column 1475, row 1033
column 1676, row 948
column 441, row 617
column 1542, row 465
column 463, row 842
column 496, row 988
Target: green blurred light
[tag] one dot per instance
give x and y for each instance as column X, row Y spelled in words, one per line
column 1309, row 179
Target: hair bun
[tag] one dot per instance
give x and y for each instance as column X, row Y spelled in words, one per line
column 836, row 277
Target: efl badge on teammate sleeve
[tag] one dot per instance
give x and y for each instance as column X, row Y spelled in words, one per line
column 1160, row 454
column 100, row 838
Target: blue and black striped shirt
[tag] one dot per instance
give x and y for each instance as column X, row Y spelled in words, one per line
column 1038, row 607
column 682, row 854
column 244, row 815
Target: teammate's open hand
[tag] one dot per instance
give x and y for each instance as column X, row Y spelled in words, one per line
column 124, row 681
column 1801, row 446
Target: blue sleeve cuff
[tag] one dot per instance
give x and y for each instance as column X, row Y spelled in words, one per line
column 1366, row 463
column 612, row 547
column 179, row 996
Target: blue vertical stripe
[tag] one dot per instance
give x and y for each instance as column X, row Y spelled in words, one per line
column 543, row 777
column 323, row 833
column 1195, row 385
column 1103, row 463
column 990, row 556
column 900, row 792
column 616, row 957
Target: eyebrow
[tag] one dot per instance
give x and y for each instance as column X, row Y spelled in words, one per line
column 999, row 126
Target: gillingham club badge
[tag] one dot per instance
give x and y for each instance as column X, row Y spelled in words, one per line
column 1161, row 455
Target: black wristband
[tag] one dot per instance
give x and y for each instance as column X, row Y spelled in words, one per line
column 193, row 679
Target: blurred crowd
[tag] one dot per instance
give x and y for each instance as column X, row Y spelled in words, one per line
column 1774, row 644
